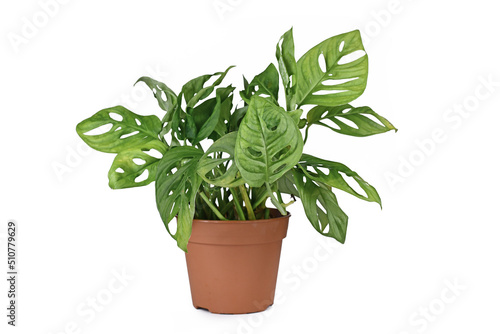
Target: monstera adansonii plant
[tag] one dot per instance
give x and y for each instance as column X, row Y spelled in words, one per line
column 214, row 160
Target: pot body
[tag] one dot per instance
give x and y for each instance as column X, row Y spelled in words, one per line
column 233, row 265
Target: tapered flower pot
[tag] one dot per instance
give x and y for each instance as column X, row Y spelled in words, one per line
column 233, row 265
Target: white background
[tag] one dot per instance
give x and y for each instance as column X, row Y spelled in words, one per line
column 439, row 226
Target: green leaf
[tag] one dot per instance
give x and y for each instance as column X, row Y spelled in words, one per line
column 334, row 174
column 210, row 115
column 177, row 184
column 132, row 163
column 321, row 207
column 218, row 170
column 265, row 83
column 127, row 129
column 286, row 184
column 339, row 82
column 166, row 97
column 295, row 114
column 269, row 143
column 285, row 54
column 365, row 126
column 194, row 90
column 237, row 117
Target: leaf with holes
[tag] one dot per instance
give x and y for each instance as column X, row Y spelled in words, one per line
column 285, row 54
column 136, row 167
column 123, row 129
column 326, row 75
column 219, row 170
column 321, row 207
column 335, row 174
column 265, row 84
column 269, row 143
column 177, row 184
column 166, row 97
column 359, row 122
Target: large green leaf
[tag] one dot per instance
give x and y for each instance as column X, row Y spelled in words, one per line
column 131, row 164
column 364, row 125
column 127, row 130
column 339, row 82
column 332, row 174
column 269, row 143
column 321, row 207
column 285, row 54
column 177, row 183
column 265, row 84
column 217, row 169
column 166, row 97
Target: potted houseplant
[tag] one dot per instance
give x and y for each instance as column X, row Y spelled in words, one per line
column 216, row 165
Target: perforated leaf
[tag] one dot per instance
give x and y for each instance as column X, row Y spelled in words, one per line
column 333, row 174
column 126, row 129
column 177, row 183
column 135, row 163
column 360, row 121
column 321, row 207
column 166, row 97
column 269, row 143
column 325, row 74
column 217, row 169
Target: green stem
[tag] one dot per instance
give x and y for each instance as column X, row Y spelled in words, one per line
column 260, row 200
column 307, row 134
column 276, row 203
column 248, row 204
column 214, row 209
column 239, row 209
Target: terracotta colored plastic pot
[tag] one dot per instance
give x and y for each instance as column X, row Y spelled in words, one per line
column 233, row 265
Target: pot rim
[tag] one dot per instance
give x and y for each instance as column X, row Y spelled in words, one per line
column 260, row 221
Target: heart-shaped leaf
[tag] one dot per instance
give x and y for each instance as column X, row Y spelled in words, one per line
column 363, row 121
column 124, row 129
column 177, row 184
column 321, row 207
column 333, row 173
column 213, row 162
column 327, row 75
column 269, row 143
column 131, row 164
